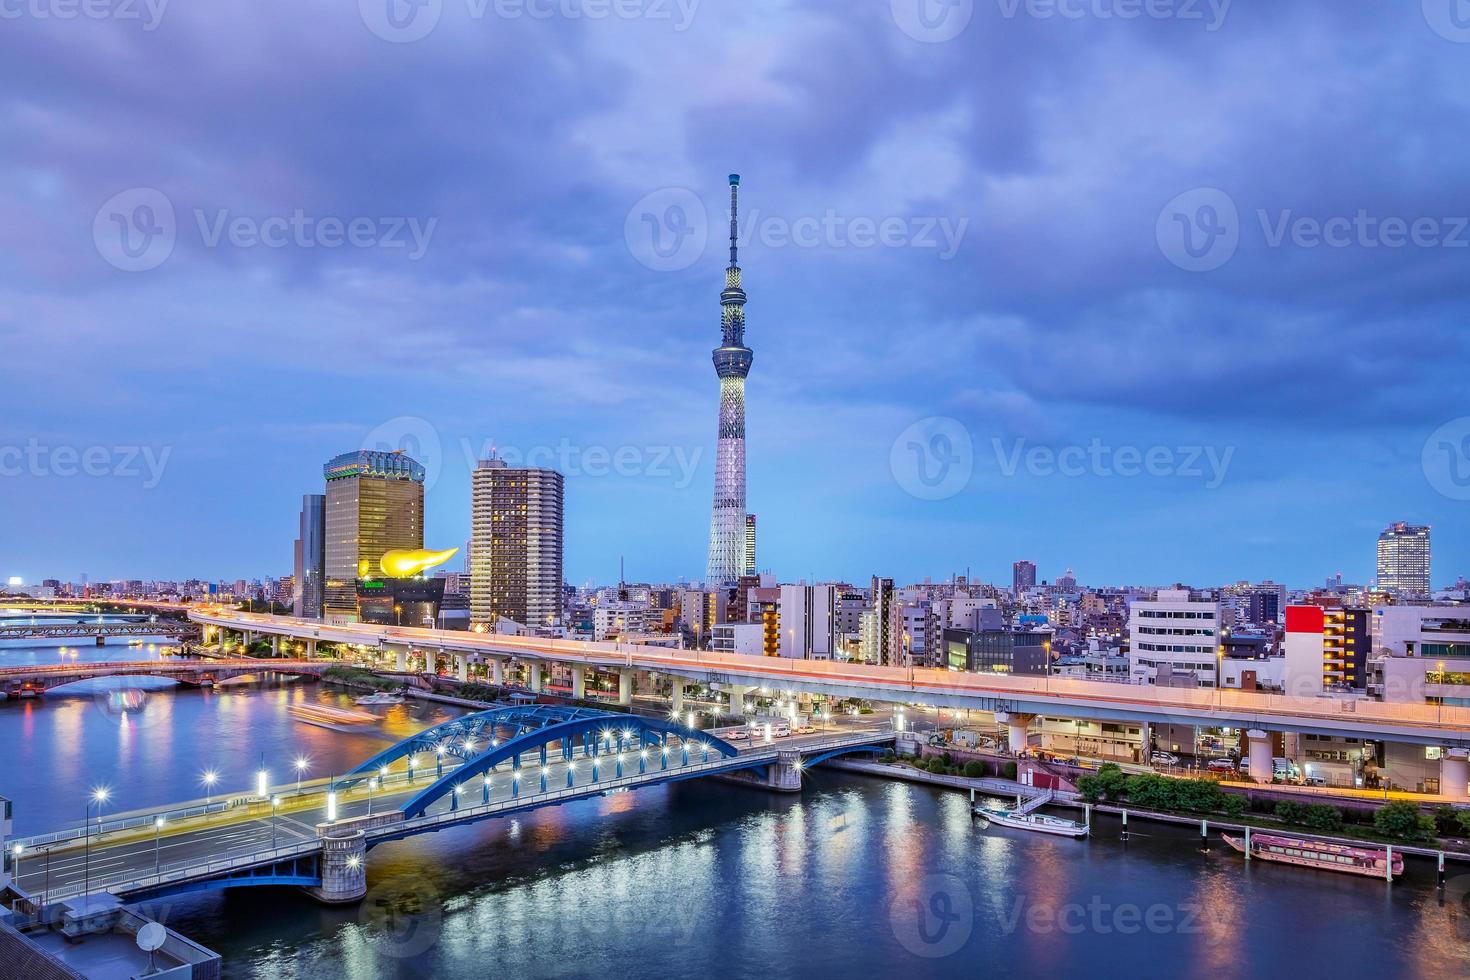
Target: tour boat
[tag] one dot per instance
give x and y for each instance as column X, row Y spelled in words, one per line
column 381, row 697
column 1366, row 861
column 337, row 719
column 1039, row 822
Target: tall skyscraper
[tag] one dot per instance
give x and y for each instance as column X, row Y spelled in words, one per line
column 516, row 527
column 311, row 557
column 750, row 544
column 374, row 504
column 1023, row 575
column 732, row 363
column 1403, row 559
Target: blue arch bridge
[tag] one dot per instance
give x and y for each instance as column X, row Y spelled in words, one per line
column 491, row 764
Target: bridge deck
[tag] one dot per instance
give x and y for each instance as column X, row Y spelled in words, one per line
column 134, row 860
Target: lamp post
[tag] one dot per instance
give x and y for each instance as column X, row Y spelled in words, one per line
column 209, row 778
column 157, row 832
column 99, row 797
column 275, row 803
column 301, row 763
column 15, row 850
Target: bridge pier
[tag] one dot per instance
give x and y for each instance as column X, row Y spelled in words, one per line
column 1016, row 725
column 1454, row 774
column 275, row 644
column 1260, row 768
column 677, row 695
column 344, row 868
column 738, row 693
column 625, row 686
column 462, row 668
column 402, row 653
column 497, row 671
column 431, row 666
column 310, row 649
column 534, row 669
column 579, row 682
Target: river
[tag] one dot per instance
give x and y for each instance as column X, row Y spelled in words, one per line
column 854, row 877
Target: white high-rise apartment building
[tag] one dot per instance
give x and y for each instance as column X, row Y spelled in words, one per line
column 1175, row 631
column 1403, row 559
column 808, row 621
column 516, row 527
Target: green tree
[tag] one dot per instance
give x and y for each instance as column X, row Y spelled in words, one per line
column 1320, row 816
column 1401, row 819
column 1289, row 811
column 974, row 769
column 1234, row 805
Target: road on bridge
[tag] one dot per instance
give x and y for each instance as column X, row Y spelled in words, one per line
column 135, row 854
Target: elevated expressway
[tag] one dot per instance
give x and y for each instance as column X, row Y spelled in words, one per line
column 1013, row 697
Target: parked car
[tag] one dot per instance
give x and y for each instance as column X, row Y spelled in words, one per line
column 1221, row 765
column 1164, row 759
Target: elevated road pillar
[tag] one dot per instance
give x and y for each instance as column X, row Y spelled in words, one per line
column 676, row 695
column 1259, row 764
column 579, row 682
column 1016, row 727
column 738, row 693
column 1454, row 774
column 462, row 668
column 625, row 687
column 497, row 671
column 534, row 668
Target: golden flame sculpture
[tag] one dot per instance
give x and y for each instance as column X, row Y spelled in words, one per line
column 405, row 563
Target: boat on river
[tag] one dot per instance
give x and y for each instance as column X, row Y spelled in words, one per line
column 1370, row 862
column 1027, row 816
column 382, row 697
column 337, row 719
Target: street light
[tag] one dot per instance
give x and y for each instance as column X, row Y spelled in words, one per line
column 301, row 763
column 209, row 778
column 157, row 832
column 372, row 785
column 275, row 802
column 99, row 797
column 15, row 850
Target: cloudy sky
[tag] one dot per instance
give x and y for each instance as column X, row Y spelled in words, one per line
column 1172, row 296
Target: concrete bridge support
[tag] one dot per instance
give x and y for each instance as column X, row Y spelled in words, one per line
column 1016, row 726
column 275, row 644
column 462, row 668
column 402, row 653
column 1454, row 774
column 676, row 694
column 431, row 666
column 738, row 693
column 497, row 671
column 1260, row 768
column 344, row 868
column 579, row 682
column 311, row 649
column 625, row 686
column 534, row 668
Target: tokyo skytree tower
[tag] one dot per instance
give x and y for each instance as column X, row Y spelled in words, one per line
column 732, row 363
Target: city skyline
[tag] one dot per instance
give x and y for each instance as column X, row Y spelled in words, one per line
column 1058, row 320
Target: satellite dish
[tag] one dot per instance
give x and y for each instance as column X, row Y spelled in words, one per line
column 151, row 936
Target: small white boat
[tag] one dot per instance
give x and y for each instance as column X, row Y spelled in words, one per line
column 381, row 697
column 1039, row 822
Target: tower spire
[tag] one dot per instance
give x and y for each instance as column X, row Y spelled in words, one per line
column 734, row 214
